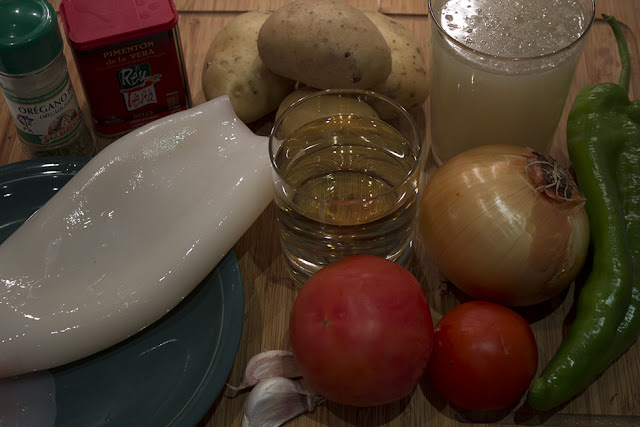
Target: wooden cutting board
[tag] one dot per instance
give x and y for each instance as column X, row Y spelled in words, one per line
column 614, row 399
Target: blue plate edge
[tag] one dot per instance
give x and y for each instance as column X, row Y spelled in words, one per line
column 209, row 390
column 200, row 406
column 75, row 162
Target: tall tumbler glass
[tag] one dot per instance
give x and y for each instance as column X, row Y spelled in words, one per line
column 501, row 70
column 345, row 171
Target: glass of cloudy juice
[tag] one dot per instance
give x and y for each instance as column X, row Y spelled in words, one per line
column 501, row 70
column 345, row 171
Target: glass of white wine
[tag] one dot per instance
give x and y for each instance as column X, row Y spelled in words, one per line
column 501, row 70
column 346, row 167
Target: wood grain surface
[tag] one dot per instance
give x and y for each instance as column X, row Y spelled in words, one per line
column 612, row 400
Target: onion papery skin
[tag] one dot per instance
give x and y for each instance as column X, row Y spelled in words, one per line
column 496, row 237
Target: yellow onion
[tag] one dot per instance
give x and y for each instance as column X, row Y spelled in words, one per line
column 505, row 224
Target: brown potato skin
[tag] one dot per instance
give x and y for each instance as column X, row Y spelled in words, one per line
column 324, row 44
column 233, row 67
column 321, row 107
column 409, row 82
column 294, row 96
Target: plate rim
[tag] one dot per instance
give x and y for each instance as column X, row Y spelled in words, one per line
column 210, row 387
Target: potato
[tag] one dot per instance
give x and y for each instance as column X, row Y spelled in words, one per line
column 408, row 83
column 233, row 67
column 322, row 107
column 294, row 96
column 324, row 44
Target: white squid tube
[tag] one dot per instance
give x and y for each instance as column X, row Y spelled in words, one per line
column 128, row 237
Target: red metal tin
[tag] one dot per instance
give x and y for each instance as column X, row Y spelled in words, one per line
column 130, row 61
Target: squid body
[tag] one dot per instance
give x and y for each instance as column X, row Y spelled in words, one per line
column 128, row 237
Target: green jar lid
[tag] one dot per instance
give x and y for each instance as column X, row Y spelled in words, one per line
column 29, row 35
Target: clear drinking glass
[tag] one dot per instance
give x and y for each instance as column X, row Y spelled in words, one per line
column 501, row 70
column 345, row 171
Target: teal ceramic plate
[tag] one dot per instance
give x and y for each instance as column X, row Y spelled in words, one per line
column 169, row 374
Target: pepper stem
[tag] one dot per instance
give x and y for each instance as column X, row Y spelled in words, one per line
column 625, row 72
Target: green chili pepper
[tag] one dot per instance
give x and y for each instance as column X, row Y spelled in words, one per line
column 603, row 139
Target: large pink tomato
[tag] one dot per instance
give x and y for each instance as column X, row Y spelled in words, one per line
column 361, row 331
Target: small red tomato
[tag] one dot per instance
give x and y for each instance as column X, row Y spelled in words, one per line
column 361, row 331
column 484, row 356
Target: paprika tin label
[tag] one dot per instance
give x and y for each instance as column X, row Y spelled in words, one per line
column 129, row 59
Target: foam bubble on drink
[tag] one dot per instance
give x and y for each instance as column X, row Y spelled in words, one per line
column 515, row 29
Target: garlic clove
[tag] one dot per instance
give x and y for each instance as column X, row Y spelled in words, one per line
column 277, row 400
column 272, row 363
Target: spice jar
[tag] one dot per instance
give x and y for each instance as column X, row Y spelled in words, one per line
column 130, row 60
column 35, row 81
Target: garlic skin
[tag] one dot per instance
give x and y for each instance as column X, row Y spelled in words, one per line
column 494, row 235
column 271, row 363
column 129, row 236
column 275, row 401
